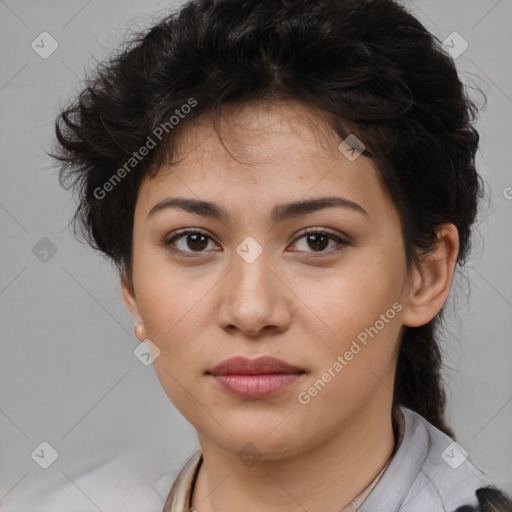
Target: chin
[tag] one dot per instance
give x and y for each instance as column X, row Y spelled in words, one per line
column 267, row 439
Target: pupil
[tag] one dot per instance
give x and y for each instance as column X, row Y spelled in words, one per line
column 321, row 245
column 194, row 238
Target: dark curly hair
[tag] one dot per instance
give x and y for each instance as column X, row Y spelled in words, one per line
column 369, row 65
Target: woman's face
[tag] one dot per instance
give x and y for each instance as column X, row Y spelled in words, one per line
column 255, row 284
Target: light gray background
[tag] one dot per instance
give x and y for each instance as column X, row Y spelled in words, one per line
column 68, row 375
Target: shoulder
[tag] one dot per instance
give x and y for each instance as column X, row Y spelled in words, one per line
column 430, row 472
column 130, row 482
column 448, row 477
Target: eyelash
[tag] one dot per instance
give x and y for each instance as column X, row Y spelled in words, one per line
column 315, row 231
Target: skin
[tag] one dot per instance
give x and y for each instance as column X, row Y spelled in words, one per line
column 294, row 302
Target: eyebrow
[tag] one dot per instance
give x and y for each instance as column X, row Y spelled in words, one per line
column 278, row 214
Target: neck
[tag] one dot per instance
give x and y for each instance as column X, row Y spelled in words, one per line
column 324, row 478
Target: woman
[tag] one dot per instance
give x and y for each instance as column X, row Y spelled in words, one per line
column 286, row 189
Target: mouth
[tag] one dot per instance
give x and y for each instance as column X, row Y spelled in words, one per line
column 255, row 378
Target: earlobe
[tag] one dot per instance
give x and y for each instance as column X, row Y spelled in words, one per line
column 432, row 279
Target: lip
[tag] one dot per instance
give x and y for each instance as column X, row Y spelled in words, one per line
column 261, row 366
column 255, row 378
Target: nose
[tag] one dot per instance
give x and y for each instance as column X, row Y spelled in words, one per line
column 254, row 299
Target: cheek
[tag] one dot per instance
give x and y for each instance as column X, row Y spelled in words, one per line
column 168, row 309
column 343, row 302
column 167, row 294
column 358, row 319
column 354, row 359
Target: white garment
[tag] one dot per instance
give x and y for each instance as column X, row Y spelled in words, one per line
column 137, row 481
column 417, row 479
column 428, row 473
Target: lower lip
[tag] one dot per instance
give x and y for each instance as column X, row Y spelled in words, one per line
column 256, row 386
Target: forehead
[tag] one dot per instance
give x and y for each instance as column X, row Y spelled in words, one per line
column 254, row 131
column 273, row 151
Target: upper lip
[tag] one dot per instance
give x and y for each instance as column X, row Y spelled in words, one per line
column 259, row 366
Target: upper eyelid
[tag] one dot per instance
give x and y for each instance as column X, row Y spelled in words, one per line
column 303, row 232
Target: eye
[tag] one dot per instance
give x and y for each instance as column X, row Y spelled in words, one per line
column 192, row 239
column 318, row 239
column 195, row 241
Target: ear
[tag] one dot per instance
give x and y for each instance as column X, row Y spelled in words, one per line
column 129, row 296
column 431, row 280
column 131, row 303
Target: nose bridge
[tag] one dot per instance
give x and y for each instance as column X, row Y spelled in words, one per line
column 251, row 271
column 251, row 302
